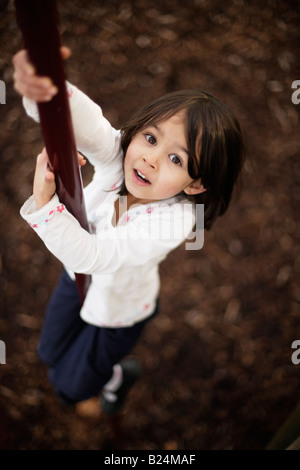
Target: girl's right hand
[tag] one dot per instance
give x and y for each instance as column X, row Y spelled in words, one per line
column 44, row 185
column 27, row 83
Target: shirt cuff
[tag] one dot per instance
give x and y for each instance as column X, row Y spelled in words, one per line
column 40, row 217
column 31, row 109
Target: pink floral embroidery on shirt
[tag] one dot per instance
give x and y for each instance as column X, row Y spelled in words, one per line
column 70, row 92
column 60, row 208
column 51, row 215
column 117, row 184
column 146, row 306
column 127, row 218
column 45, row 220
column 150, row 209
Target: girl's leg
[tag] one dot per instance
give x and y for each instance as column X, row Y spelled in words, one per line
column 62, row 321
column 87, row 364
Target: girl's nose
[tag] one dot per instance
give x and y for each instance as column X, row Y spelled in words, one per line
column 151, row 161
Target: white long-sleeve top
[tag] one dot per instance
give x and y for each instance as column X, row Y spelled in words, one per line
column 123, row 259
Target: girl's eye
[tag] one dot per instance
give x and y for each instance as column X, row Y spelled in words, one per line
column 150, row 139
column 175, row 159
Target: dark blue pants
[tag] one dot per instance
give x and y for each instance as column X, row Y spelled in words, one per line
column 80, row 356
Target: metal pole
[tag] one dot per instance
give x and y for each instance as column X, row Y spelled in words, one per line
column 38, row 22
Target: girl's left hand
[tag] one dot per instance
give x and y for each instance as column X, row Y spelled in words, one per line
column 28, row 83
column 44, row 179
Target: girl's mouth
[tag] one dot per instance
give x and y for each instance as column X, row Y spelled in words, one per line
column 140, row 178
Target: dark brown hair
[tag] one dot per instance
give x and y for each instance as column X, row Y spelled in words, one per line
column 214, row 140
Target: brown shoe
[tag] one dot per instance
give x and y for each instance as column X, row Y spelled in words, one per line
column 89, row 408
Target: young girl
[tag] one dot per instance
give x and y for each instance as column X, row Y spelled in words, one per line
column 182, row 150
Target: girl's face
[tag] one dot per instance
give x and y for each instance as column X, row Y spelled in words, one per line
column 156, row 162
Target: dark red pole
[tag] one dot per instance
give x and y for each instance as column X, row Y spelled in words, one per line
column 38, row 22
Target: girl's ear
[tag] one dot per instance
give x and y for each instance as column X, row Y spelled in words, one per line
column 195, row 187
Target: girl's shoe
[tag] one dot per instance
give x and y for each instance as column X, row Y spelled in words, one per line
column 113, row 402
